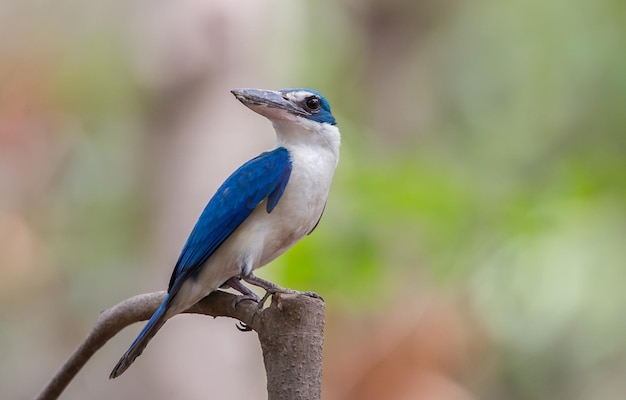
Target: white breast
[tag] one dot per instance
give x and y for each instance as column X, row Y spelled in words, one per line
column 314, row 153
column 302, row 203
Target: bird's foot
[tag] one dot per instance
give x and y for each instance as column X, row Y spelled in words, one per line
column 246, row 294
column 313, row 295
column 243, row 297
column 272, row 288
column 279, row 290
column 242, row 326
column 308, row 294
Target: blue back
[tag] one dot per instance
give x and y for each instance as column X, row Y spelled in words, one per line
column 265, row 176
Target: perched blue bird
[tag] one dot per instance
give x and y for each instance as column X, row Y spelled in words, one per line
column 260, row 211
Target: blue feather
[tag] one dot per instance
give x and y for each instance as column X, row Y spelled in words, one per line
column 136, row 348
column 265, row 176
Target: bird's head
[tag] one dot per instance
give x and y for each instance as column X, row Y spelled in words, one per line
column 298, row 115
column 287, row 104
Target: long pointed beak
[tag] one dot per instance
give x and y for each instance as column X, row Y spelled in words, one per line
column 269, row 103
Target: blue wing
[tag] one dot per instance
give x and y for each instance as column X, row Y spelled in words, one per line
column 265, row 176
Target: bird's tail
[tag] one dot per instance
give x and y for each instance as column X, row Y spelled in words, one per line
column 156, row 322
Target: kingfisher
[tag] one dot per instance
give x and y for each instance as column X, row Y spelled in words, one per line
column 266, row 206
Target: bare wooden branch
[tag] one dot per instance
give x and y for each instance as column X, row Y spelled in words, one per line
column 291, row 333
column 290, row 330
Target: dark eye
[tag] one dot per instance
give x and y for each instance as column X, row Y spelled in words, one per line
column 313, row 103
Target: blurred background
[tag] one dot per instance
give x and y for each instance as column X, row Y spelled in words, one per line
column 474, row 242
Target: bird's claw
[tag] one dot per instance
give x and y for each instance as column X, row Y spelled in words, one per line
column 313, row 295
column 273, row 291
column 243, row 297
column 243, row 327
column 268, row 293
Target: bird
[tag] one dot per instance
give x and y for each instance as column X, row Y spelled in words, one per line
column 259, row 212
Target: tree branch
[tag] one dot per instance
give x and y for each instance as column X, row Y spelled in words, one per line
column 291, row 332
